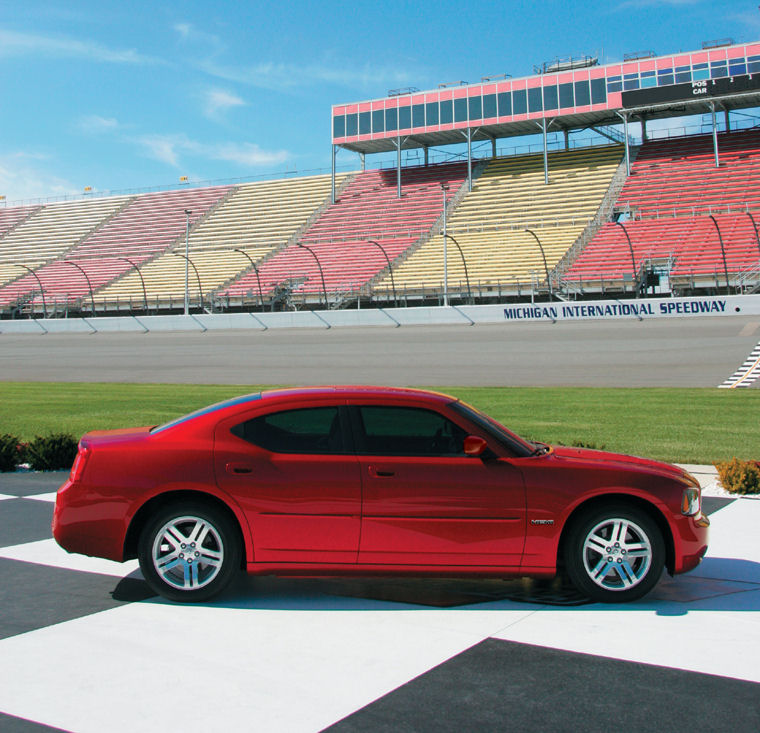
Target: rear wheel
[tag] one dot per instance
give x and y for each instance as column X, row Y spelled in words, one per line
column 189, row 552
column 615, row 554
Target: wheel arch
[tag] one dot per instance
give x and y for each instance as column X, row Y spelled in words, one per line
column 156, row 503
column 636, row 502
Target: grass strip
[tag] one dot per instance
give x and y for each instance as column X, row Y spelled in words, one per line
column 679, row 425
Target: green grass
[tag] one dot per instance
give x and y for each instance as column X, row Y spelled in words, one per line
column 680, row 425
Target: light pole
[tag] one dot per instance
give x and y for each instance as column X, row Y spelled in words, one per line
column 757, row 237
column 321, row 274
column 546, row 267
column 390, row 269
column 89, row 284
column 145, row 292
column 42, row 292
column 187, row 261
column 256, row 270
column 444, row 189
column 630, row 247
column 722, row 251
column 464, row 262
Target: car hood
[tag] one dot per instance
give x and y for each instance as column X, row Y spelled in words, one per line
column 621, row 461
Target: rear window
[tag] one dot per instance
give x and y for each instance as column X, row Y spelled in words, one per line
column 207, row 410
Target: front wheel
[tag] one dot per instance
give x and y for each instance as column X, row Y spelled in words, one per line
column 615, row 554
column 189, row 552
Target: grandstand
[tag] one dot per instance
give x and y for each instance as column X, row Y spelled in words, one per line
column 497, row 254
column 630, row 216
column 666, row 205
column 250, row 225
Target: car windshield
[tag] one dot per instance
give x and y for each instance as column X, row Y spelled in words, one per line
column 514, row 443
column 206, row 410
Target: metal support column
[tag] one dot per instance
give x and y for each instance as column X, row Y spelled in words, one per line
column 715, row 135
column 362, row 162
column 624, row 117
column 644, row 137
column 493, row 147
column 332, row 190
column 728, row 120
column 425, row 152
column 546, row 152
column 567, row 139
column 398, row 167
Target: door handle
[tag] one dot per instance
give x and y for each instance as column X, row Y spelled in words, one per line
column 238, row 468
column 380, row 472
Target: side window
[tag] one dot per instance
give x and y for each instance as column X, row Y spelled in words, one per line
column 311, row 430
column 406, row 431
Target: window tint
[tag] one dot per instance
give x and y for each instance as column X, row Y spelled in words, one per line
column 535, row 103
column 364, row 128
column 598, row 91
column 407, row 431
column 378, row 120
column 550, row 97
column 391, row 119
column 460, row 110
column 447, row 111
column 489, row 106
column 519, row 102
column 339, row 126
column 404, row 118
column 352, row 124
column 566, row 95
column 431, row 109
column 310, row 430
column 505, row 104
column 475, row 108
column 418, row 115
column 582, row 93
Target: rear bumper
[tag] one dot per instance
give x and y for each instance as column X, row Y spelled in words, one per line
column 87, row 527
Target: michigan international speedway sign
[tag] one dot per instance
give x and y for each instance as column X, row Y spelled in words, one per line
column 638, row 309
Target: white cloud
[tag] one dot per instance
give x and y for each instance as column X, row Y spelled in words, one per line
column 174, row 149
column 95, row 124
column 270, row 75
column 217, row 101
column 28, row 44
column 22, row 178
column 164, row 148
column 248, row 154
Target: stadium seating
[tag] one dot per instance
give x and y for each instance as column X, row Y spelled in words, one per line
column 44, row 233
column 507, row 198
column 367, row 209
column 673, row 189
column 257, row 218
column 145, row 226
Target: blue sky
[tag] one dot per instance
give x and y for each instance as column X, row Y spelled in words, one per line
column 127, row 95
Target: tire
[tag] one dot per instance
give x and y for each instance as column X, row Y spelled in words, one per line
column 189, row 552
column 614, row 554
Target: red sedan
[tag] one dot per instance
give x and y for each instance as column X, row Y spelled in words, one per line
column 372, row 480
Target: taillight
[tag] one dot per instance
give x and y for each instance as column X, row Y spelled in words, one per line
column 79, row 462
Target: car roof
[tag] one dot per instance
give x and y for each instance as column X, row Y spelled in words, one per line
column 355, row 391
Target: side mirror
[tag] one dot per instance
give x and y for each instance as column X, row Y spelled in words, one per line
column 474, row 446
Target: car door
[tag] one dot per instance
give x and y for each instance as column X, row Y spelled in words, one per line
column 296, row 478
column 427, row 503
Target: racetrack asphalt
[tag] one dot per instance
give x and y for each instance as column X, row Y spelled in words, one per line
column 693, row 352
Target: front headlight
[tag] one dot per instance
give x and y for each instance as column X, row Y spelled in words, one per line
column 690, row 501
